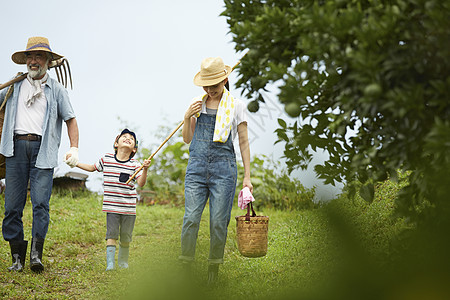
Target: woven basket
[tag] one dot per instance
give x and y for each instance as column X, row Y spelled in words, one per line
column 251, row 234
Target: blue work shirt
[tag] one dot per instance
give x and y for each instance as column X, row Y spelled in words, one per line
column 59, row 109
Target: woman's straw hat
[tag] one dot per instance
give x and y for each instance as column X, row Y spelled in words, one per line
column 212, row 71
column 36, row 43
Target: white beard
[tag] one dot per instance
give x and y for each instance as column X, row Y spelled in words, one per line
column 37, row 73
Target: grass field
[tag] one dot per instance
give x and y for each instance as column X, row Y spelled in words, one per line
column 304, row 256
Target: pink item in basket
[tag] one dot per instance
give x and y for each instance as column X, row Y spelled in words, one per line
column 245, row 197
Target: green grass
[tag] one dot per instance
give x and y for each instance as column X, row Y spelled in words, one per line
column 304, row 253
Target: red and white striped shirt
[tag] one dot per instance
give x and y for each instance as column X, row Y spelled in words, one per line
column 118, row 197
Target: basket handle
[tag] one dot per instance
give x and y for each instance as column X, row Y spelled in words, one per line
column 247, row 216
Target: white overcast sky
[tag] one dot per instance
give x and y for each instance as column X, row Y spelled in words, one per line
column 134, row 60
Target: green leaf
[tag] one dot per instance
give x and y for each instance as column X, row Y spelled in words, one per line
column 367, row 192
column 282, row 123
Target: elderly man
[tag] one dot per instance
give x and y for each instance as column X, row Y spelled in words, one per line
column 30, row 141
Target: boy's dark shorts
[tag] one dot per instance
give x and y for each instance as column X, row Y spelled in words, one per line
column 117, row 224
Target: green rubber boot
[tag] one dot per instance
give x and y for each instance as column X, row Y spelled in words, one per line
column 110, row 257
column 122, row 259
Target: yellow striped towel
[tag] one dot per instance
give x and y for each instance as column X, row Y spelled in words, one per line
column 224, row 117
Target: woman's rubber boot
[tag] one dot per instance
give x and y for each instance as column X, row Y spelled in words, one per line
column 18, row 254
column 213, row 274
column 110, row 257
column 37, row 246
column 122, row 259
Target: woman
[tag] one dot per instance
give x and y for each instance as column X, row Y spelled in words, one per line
column 211, row 123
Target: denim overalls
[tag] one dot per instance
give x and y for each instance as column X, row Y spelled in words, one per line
column 211, row 173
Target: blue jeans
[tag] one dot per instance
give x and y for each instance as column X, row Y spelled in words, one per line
column 211, row 173
column 19, row 169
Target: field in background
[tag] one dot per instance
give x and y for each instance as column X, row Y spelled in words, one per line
column 304, row 257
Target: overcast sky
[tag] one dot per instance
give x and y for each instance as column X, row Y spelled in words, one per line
column 134, row 61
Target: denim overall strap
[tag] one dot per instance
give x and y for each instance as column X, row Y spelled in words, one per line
column 211, row 173
column 202, row 144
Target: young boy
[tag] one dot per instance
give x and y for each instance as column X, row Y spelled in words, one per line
column 119, row 198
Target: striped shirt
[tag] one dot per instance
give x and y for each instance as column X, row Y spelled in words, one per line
column 118, row 197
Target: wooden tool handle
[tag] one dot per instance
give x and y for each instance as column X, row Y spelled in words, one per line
column 156, row 151
column 12, row 81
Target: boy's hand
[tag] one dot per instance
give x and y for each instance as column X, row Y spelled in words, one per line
column 146, row 163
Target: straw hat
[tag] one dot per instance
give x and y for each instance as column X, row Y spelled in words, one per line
column 212, row 71
column 36, row 43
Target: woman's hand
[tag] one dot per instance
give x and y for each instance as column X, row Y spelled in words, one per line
column 189, row 121
column 193, row 109
column 247, row 183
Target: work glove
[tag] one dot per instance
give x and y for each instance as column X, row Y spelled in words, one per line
column 71, row 157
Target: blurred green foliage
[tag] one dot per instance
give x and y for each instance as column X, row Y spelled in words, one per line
column 274, row 188
column 166, row 173
column 380, row 255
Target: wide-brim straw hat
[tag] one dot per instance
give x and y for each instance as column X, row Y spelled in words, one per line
column 36, row 43
column 212, row 71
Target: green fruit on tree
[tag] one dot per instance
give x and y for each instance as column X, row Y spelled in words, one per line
column 253, row 106
column 292, row 109
column 372, row 90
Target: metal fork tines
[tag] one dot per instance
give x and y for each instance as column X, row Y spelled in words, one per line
column 61, row 65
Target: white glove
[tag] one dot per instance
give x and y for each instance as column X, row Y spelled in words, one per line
column 71, row 157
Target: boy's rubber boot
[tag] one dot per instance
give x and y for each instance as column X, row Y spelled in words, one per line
column 213, row 274
column 37, row 246
column 122, row 259
column 110, row 257
column 18, row 254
